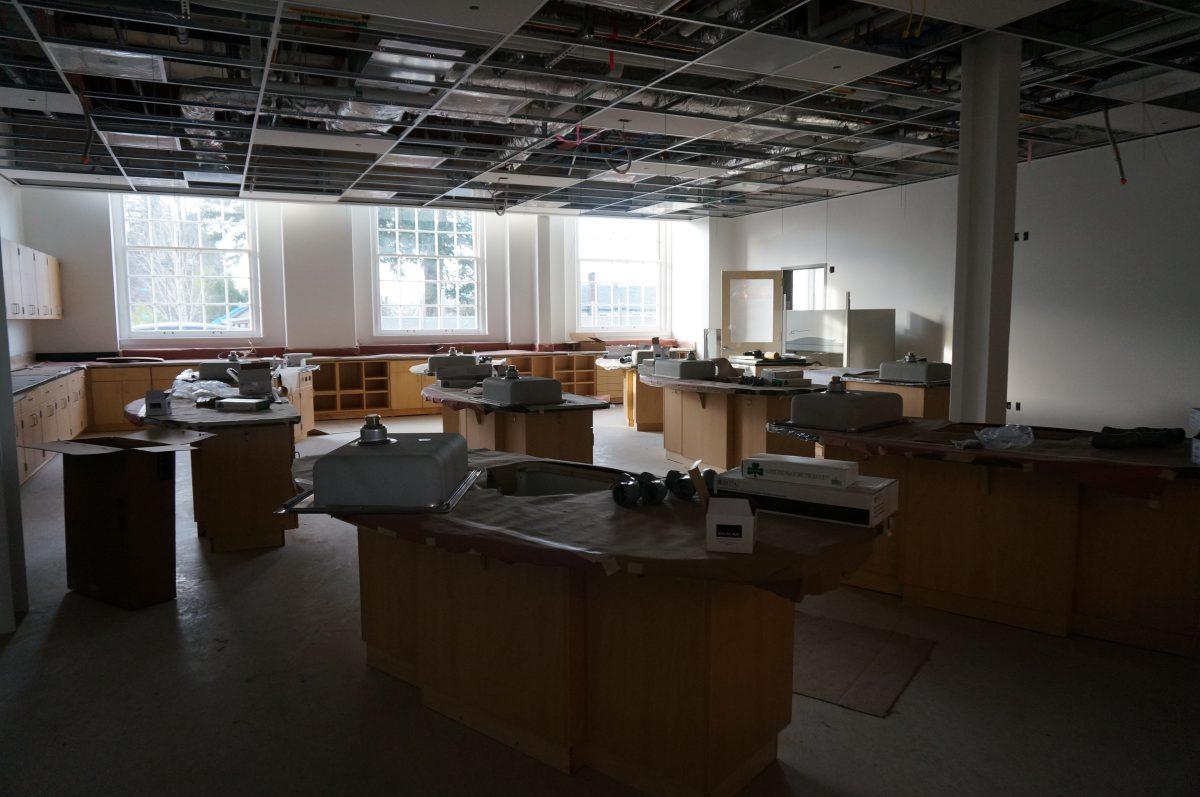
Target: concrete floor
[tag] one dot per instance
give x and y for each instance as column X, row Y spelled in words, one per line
column 253, row 682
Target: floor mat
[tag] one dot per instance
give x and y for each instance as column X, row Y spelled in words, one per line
column 860, row 668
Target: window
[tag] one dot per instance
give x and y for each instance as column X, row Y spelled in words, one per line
column 430, row 274
column 620, row 274
column 804, row 287
column 186, row 267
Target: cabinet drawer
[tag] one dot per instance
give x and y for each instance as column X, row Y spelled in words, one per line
column 141, row 374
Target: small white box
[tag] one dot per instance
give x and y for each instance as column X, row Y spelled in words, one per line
column 730, row 524
column 800, row 470
column 1193, row 424
column 158, row 404
column 868, row 502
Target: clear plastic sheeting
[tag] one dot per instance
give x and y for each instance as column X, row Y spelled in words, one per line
column 1002, row 438
column 193, row 390
column 107, row 63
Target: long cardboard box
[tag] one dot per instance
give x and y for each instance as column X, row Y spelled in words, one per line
column 868, row 502
column 800, row 470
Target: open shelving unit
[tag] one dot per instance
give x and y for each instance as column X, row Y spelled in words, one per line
column 350, row 388
column 577, row 372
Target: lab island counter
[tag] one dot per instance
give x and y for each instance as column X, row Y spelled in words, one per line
column 555, row 431
column 240, row 475
column 722, row 423
column 1058, row 537
column 587, row 634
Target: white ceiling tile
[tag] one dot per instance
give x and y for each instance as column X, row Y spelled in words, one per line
column 898, row 150
column 1151, row 83
column 274, row 137
column 43, row 101
column 650, row 122
column 660, row 208
column 64, row 177
column 1141, row 117
column 976, row 13
column 495, row 16
column 517, row 178
column 835, row 65
column 761, row 53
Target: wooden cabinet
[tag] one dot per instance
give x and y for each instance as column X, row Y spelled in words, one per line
column 32, row 283
column 55, row 410
column 298, row 389
column 110, row 389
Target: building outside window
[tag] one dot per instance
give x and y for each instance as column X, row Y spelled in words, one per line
column 429, row 271
column 620, row 275
column 186, row 266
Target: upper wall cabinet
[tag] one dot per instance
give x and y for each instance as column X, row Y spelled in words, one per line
column 32, row 283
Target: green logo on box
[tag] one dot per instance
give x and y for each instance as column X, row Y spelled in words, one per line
column 754, row 469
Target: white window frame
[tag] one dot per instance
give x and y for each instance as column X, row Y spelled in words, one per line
column 481, row 326
column 121, row 278
column 664, row 290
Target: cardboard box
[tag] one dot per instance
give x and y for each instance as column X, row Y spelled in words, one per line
column 800, row 470
column 119, row 514
column 730, row 525
column 869, row 501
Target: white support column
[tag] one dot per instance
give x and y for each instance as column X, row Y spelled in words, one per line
column 987, row 190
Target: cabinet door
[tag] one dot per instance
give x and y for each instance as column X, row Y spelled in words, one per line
column 31, row 431
column 12, row 280
column 54, row 277
column 29, row 280
column 42, row 266
column 107, row 407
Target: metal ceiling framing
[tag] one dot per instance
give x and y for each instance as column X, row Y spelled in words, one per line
column 713, row 107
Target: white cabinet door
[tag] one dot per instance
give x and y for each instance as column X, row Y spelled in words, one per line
column 43, row 284
column 29, row 281
column 12, row 280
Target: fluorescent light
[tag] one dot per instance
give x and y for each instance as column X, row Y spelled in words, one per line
column 412, row 161
column 141, row 141
column 226, row 178
column 665, row 207
column 107, row 63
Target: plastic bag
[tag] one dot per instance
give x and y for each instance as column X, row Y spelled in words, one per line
column 1003, row 437
column 202, row 388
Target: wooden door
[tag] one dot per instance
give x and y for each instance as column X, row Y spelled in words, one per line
column 752, row 310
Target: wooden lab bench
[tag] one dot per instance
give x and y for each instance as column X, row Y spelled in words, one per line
column 562, row 626
column 1059, row 537
column 558, row 431
column 240, row 476
column 722, row 423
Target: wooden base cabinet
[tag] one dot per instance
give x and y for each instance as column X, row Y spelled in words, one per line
column 111, row 389
column 669, row 685
column 55, row 410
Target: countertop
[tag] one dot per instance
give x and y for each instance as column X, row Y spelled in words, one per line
column 711, row 386
column 460, row 399
column 26, row 379
column 186, row 415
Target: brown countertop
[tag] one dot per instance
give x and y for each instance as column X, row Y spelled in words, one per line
column 710, row 386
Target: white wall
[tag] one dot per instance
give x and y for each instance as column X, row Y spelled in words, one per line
column 20, row 333
column 1105, row 321
column 318, row 275
column 689, row 280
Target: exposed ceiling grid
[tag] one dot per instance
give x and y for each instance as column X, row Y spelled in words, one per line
column 677, row 109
